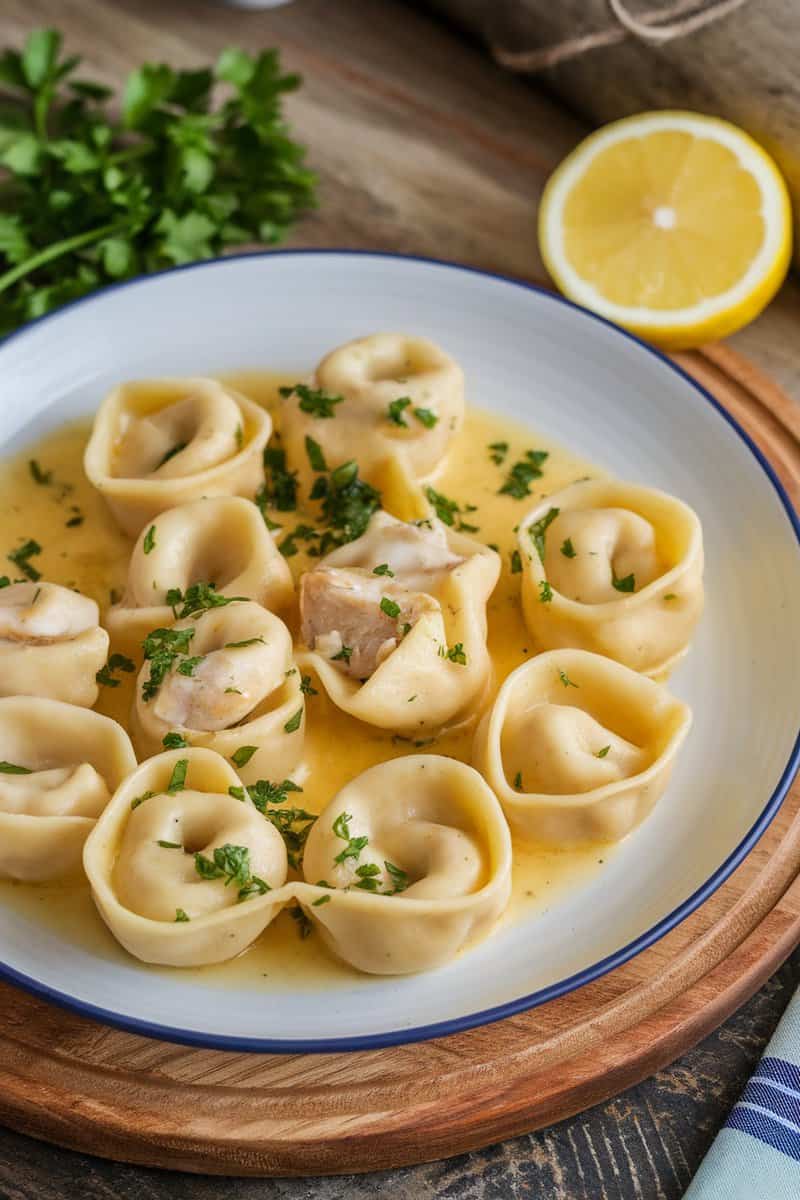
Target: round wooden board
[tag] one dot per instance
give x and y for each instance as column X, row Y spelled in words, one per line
column 96, row 1089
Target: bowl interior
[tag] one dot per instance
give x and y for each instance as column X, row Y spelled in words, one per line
column 604, row 396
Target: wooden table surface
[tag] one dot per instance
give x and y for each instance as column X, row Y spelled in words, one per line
column 422, row 146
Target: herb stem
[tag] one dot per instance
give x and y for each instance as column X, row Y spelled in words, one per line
column 56, row 250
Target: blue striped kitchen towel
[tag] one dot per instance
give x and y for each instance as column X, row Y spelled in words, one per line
column 756, row 1155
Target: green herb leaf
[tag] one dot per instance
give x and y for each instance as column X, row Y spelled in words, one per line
column 545, row 592
column 383, row 569
column 315, row 401
column 180, row 915
column 188, row 666
column 7, row 768
column 396, row 410
column 198, row 598
column 21, row 558
column 518, row 781
column 523, row 473
column 398, row 877
column 516, row 562
column 565, row 679
column 253, row 641
column 567, row 548
column 389, row 607
column 315, row 455
column 39, row 476
column 626, row 584
column 141, row 799
column 149, row 540
column 117, row 662
column 426, row 417
column 602, row 753
column 345, row 654
column 169, row 845
column 178, row 777
column 174, row 741
column 231, row 863
column 306, row 687
column 242, row 756
column 538, row 529
column 498, row 452
column 321, row 900
column 456, row 654
column 293, row 723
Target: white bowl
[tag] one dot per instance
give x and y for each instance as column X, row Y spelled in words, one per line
column 606, row 396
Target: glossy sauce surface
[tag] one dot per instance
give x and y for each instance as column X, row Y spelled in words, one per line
column 82, row 548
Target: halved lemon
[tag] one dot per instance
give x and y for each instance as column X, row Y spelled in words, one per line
column 675, row 225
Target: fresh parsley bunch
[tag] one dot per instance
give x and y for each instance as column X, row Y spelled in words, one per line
column 201, row 160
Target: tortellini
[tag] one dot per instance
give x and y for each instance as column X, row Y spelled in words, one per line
column 182, row 872
column 390, row 395
column 223, row 541
column 411, row 861
column 224, row 680
column 579, row 748
column 51, row 643
column 615, row 569
column 159, row 443
column 59, row 765
column 395, row 623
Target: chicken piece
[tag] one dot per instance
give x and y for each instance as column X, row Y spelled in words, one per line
column 342, row 618
column 43, row 612
column 417, row 554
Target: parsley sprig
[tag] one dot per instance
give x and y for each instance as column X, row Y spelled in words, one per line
column 91, row 199
column 293, row 824
column 523, row 473
column 161, row 649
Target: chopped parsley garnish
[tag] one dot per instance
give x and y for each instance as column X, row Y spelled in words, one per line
column 280, row 486
column 545, row 591
column 137, row 800
column 231, row 863
column 456, row 654
column 565, row 679
column 384, row 569
column 293, row 724
column 341, row 828
column 169, row 845
column 345, row 654
column 242, row 756
column 319, row 901
column 75, row 521
column 602, row 753
column 233, row 691
column 518, row 781
column 498, row 452
column 149, row 540
column 516, row 562
column 198, row 598
column 176, row 449
column 306, row 686
column 450, row 512
column 21, row 559
column 396, row 410
column 117, row 662
column 567, row 548
column 398, row 876
column 426, row 417
column 7, row 768
column 315, row 455
column 368, row 875
column 239, row 437
column 669, row 595
column 538, row 529
column 293, row 824
column 178, row 776
column 315, row 401
column 304, row 926
column 523, row 473
column 626, row 584
column 174, row 741
column 347, row 506
column 253, row 641
column 6, row 582
column 390, row 607
column 305, row 533
column 188, row 666
column 39, row 476
column 161, row 648
column 180, row 915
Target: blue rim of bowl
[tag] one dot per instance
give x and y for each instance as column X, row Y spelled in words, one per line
column 499, row 1012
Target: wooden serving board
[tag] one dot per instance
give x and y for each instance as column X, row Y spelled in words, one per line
column 93, row 1088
